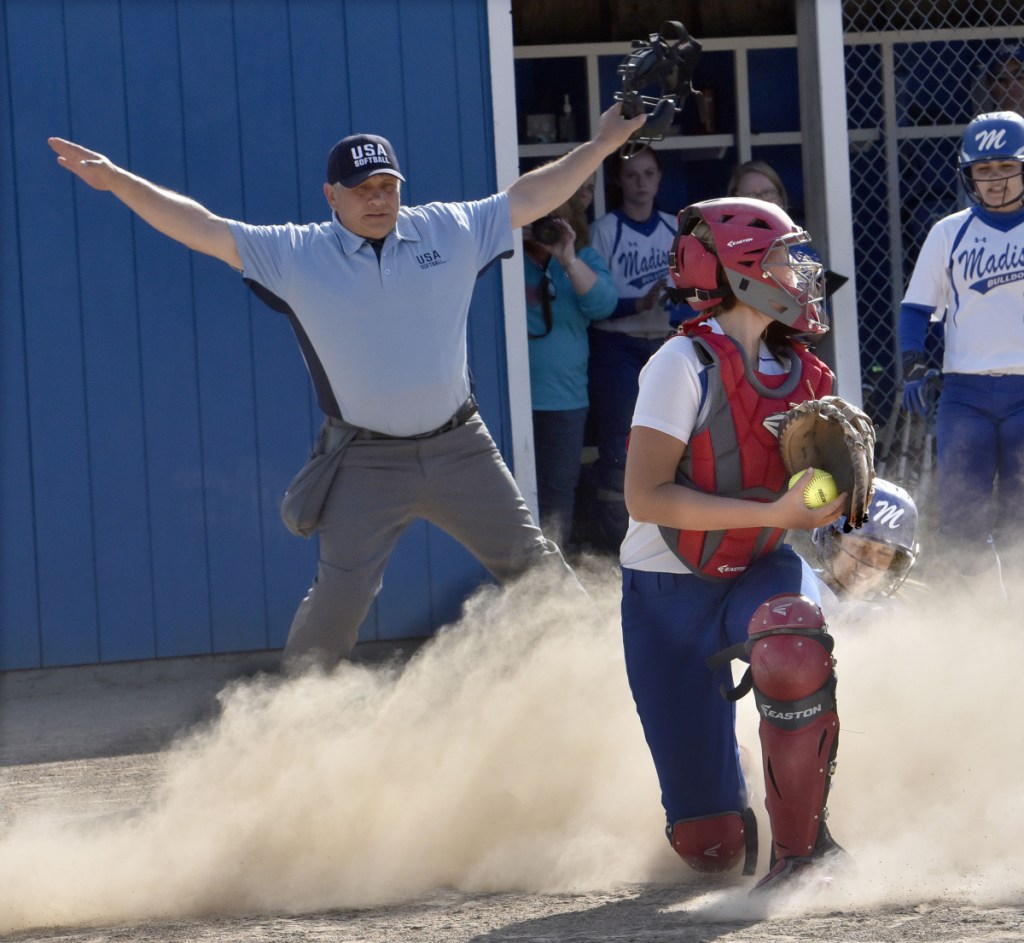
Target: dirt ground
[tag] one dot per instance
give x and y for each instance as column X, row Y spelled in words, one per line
column 492, row 785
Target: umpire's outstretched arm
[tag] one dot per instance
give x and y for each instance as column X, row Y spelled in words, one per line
column 542, row 190
column 171, row 213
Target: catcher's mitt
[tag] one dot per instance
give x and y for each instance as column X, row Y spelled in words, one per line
column 833, row 434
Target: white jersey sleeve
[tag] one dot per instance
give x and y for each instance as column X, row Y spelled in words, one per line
column 669, row 401
column 670, row 390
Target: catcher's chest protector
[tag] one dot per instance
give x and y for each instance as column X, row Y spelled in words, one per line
column 735, row 451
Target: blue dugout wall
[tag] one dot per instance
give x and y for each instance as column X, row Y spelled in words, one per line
column 152, row 411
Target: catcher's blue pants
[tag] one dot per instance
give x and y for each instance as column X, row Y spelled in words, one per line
column 980, row 438
column 670, row 624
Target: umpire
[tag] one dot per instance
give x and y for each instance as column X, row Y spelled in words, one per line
column 379, row 300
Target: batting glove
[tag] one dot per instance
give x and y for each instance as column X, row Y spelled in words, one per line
column 916, row 381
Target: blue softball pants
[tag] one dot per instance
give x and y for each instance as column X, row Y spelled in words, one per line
column 980, row 439
column 670, row 624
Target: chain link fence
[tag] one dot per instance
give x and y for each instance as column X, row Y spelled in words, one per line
column 917, row 71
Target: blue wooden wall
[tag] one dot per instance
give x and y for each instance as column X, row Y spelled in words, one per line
column 151, row 410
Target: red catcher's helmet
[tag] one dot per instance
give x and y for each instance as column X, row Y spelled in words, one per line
column 765, row 258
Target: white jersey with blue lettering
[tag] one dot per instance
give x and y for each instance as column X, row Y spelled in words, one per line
column 637, row 255
column 970, row 272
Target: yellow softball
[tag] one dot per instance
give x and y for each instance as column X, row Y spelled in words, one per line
column 820, row 491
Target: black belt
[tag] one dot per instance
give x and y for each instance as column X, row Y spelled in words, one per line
column 466, row 411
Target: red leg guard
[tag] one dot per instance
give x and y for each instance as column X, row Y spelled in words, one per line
column 712, row 842
column 791, row 667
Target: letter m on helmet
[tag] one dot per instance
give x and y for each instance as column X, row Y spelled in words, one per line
column 992, row 139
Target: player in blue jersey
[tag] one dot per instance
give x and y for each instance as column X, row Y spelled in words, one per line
column 970, row 277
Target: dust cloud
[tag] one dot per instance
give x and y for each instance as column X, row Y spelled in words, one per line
column 506, row 755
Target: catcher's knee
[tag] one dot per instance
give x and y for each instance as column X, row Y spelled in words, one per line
column 791, row 662
column 716, row 842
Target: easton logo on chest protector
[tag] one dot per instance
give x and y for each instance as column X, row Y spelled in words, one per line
column 772, row 423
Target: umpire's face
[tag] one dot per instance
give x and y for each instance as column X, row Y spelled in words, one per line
column 369, row 210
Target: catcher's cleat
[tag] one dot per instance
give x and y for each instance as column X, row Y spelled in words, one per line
column 797, row 871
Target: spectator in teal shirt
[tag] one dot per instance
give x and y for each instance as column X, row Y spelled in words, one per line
column 568, row 286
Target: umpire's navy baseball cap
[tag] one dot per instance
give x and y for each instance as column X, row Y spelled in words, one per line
column 359, row 156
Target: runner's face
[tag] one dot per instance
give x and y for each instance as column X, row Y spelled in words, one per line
column 860, row 564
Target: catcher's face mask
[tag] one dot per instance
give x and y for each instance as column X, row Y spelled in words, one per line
column 800, row 273
column 665, row 62
column 764, row 255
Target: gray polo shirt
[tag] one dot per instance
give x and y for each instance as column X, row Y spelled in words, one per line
column 388, row 336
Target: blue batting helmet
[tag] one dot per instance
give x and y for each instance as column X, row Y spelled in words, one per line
column 892, row 520
column 998, row 135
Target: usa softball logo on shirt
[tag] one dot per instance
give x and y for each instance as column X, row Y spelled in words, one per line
column 430, row 259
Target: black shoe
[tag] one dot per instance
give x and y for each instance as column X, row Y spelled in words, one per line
column 821, row 866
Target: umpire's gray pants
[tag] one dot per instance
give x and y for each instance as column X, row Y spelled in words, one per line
column 457, row 481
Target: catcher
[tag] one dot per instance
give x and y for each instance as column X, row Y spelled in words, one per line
column 706, row 575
